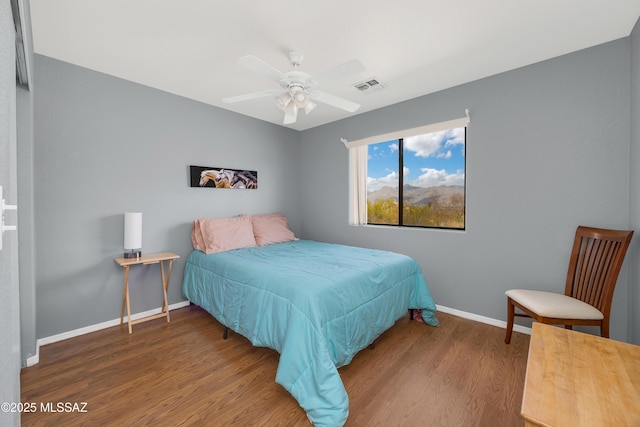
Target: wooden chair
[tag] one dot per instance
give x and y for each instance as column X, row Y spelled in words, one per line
column 594, row 265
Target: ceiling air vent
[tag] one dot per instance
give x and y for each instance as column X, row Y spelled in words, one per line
column 372, row 84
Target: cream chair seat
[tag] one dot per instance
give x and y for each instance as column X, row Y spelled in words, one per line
column 550, row 304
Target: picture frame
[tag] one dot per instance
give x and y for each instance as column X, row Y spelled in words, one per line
column 216, row 177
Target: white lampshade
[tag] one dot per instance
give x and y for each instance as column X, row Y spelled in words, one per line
column 310, row 107
column 133, row 233
column 283, row 100
column 301, row 99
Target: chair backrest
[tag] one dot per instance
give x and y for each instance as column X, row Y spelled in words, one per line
column 595, row 262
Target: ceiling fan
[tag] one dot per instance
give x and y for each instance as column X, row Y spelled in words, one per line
column 297, row 89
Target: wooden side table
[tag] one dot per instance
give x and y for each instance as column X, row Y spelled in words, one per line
column 146, row 259
column 580, row 380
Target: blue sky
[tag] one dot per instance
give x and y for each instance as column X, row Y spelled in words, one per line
column 429, row 160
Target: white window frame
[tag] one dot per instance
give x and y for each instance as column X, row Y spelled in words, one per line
column 358, row 152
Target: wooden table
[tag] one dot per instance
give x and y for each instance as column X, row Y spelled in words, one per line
column 147, row 259
column 578, row 380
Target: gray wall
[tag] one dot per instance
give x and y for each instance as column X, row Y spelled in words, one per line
column 634, row 193
column 547, row 150
column 9, row 303
column 104, row 146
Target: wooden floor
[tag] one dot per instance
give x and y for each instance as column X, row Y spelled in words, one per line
column 183, row 373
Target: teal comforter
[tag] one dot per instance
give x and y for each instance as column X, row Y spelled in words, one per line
column 317, row 304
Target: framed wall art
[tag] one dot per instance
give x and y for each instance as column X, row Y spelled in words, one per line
column 205, row 176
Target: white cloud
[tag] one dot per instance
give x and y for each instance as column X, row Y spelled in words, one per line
column 424, row 145
column 432, row 144
column 446, row 155
column 428, row 178
column 391, row 180
column 435, row 177
column 455, row 137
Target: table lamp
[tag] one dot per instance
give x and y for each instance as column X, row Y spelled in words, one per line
column 132, row 234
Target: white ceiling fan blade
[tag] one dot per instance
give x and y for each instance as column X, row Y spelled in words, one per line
column 249, row 96
column 258, row 66
column 335, row 101
column 343, row 70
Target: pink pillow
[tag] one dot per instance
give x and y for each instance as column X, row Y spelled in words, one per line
column 272, row 228
column 225, row 234
column 196, row 236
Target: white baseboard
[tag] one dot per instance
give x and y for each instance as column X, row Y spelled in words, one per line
column 77, row 332
column 482, row 319
column 93, row 328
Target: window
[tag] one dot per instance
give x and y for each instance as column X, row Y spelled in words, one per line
column 430, row 191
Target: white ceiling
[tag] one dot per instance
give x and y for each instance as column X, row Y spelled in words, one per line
column 190, row 47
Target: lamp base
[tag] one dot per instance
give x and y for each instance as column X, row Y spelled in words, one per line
column 133, row 254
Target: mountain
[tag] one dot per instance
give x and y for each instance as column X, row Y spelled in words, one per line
column 443, row 195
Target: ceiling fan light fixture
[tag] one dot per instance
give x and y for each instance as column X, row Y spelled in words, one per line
column 301, row 99
column 310, row 107
column 297, row 89
column 283, row 101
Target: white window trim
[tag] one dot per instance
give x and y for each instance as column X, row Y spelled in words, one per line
column 407, row 133
column 358, row 152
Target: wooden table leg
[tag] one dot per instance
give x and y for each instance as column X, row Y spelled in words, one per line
column 126, row 289
column 124, row 293
column 165, row 287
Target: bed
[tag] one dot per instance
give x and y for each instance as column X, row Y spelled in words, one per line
column 315, row 303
